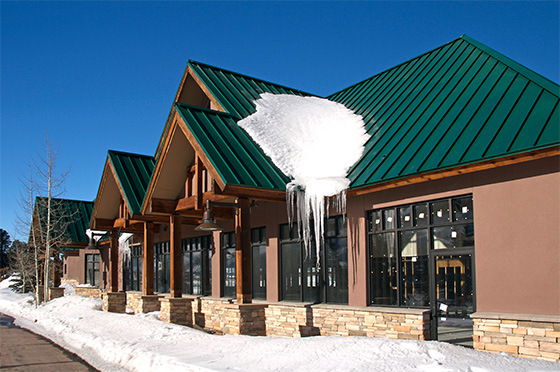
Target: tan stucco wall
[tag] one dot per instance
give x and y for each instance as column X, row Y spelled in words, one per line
column 517, row 245
column 517, row 238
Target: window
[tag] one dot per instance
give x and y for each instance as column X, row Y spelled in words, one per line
column 197, row 255
column 161, row 267
column 135, row 269
column 228, row 264
column 92, row 269
column 305, row 280
column 400, row 241
column 258, row 254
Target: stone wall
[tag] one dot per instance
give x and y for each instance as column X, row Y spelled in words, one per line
column 301, row 320
column 531, row 336
column 92, row 292
column 133, row 300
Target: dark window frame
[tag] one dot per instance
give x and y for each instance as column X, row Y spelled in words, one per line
column 197, row 246
column 227, row 247
column 258, row 276
column 93, row 263
column 431, row 220
column 312, row 285
column 162, row 256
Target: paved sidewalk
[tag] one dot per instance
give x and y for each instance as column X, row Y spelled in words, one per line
column 22, row 350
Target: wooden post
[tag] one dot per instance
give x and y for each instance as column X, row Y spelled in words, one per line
column 176, row 283
column 56, row 271
column 198, row 183
column 243, row 252
column 114, row 262
column 148, row 260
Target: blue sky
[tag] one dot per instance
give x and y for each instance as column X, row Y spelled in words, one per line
column 102, row 75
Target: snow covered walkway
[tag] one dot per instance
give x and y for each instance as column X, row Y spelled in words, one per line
column 125, row 342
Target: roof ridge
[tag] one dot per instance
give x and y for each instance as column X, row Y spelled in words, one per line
column 65, row 199
column 248, row 76
column 533, row 76
column 394, row 67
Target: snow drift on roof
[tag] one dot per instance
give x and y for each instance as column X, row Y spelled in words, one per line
column 312, row 140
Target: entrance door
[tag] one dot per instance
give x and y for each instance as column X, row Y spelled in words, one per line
column 453, row 292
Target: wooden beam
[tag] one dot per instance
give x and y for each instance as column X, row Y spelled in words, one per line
column 164, row 206
column 198, row 200
column 465, row 169
column 258, row 194
column 176, row 259
column 114, row 262
column 148, row 260
column 103, row 224
column 244, row 292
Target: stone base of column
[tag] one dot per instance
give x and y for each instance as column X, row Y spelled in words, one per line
column 244, row 319
column 114, row 302
column 148, row 303
column 176, row 310
column 55, row 292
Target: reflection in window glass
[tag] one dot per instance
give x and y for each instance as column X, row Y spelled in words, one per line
column 258, row 253
column 228, row 264
column 375, row 221
column 413, row 246
column 405, row 218
column 389, row 219
column 462, row 209
column 440, row 211
column 456, row 236
column 383, row 269
column 421, row 217
column 196, row 265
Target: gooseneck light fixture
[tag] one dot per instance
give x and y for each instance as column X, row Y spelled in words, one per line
column 208, row 221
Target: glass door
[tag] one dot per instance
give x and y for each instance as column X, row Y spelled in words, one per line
column 453, row 289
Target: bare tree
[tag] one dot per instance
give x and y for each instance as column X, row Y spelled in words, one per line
column 50, row 212
column 21, row 261
column 24, row 224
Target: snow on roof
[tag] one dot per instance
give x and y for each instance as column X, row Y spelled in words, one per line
column 312, row 140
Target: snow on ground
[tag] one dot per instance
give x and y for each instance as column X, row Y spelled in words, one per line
column 125, row 342
column 314, row 141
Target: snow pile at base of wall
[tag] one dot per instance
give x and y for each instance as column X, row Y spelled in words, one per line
column 314, row 141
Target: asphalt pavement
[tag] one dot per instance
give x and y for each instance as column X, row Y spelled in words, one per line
column 24, row 351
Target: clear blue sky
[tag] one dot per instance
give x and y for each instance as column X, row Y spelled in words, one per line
column 102, row 75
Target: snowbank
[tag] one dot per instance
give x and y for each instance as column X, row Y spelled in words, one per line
column 125, row 342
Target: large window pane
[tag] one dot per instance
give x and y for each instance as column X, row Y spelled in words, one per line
column 413, row 246
column 337, row 270
column 258, row 256
column 383, row 266
column 311, row 280
column 228, row 264
column 462, row 209
column 291, row 271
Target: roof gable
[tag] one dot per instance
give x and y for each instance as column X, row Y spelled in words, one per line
column 461, row 103
column 235, row 157
column 133, row 172
column 236, row 92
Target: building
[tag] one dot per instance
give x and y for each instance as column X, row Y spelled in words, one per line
column 451, row 230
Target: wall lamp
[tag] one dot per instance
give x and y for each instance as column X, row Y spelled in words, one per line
column 92, row 244
column 208, row 221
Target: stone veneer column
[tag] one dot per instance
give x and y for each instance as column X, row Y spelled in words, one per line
column 244, row 319
column 532, row 336
column 176, row 310
column 148, row 303
column 114, row 302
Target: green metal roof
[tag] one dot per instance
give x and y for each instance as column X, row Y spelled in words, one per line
column 71, row 215
column 236, row 92
column 458, row 104
column 134, row 172
column 237, row 159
